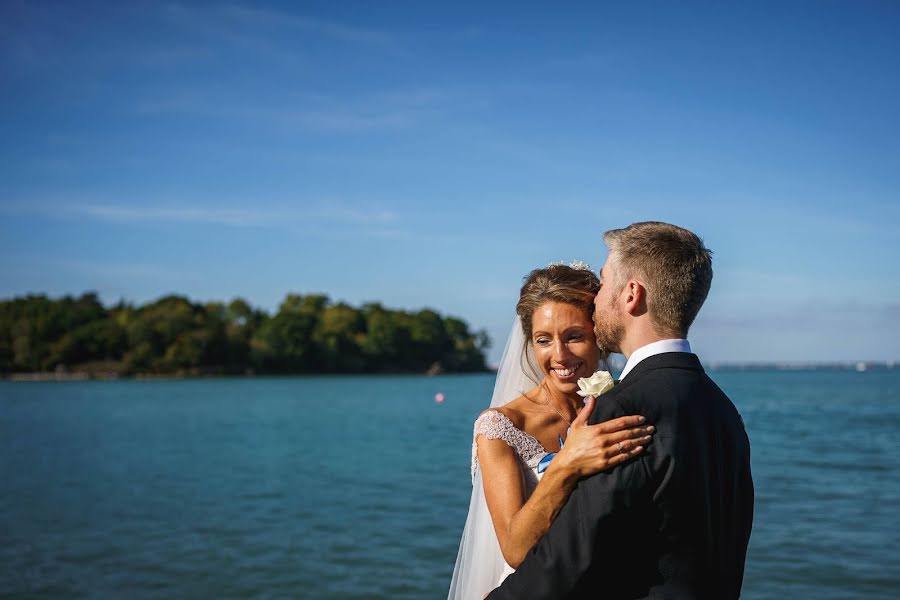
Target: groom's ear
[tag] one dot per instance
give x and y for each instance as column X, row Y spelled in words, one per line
column 634, row 297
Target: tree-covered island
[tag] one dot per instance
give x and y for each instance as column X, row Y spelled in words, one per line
column 174, row 336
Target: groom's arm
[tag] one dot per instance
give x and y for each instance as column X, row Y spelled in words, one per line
column 588, row 534
column 589, row 526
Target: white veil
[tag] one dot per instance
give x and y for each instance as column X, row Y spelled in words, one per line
column 480, row 563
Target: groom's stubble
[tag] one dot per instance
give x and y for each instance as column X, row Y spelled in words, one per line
column 608, row 327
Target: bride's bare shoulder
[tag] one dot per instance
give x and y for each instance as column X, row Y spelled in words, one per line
column 516, row 411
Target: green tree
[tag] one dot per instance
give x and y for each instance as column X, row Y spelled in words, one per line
column 157, row 326
column 308, row 334
column 284, row 343
column 380, row 343
column 430, row 342
column 100, row 340
column 339, row 336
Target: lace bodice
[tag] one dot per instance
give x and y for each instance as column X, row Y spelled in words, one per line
column 494, row 425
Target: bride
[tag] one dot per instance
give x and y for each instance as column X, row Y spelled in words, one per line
column 522, row 474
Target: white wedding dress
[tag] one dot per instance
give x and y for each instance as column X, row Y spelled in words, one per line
column 480, row 566
column 495, row 425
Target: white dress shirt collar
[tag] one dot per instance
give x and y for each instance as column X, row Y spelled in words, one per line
column 652, row 349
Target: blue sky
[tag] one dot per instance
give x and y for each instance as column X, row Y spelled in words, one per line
column 431, row 154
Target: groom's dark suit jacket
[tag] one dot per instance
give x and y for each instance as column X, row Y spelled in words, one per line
column 673, row 523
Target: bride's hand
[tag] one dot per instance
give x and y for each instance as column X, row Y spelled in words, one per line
column 590, row 449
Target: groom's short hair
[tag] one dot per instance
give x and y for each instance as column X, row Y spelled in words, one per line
column 672, row 263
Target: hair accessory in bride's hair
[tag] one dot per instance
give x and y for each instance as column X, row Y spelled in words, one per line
column 575, row 264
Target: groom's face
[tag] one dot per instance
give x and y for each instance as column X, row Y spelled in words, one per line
column 608, row 322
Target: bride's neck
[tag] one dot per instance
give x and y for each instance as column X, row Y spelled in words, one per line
column 562, row 401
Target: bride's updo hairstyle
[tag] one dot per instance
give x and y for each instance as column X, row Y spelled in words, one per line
column 576, row 285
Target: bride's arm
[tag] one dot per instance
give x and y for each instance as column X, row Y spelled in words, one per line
column 520, row 523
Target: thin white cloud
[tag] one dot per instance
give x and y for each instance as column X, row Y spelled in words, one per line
column 347, row 121
column 317, row 112
column 257, row 28
column 170, row 56
column 121, row 213
column 340, row 213
column 324, row 211
column 338, row 31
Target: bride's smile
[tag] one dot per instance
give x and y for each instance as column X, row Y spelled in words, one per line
column 565, row 372
column 564, row 345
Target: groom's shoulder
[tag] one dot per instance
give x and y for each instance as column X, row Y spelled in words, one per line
column 610, row 405
column 654, row 380
column 663, row 369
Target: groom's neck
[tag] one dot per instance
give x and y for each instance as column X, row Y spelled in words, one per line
column 640, row 333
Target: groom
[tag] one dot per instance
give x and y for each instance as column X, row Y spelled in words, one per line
column 675, row 521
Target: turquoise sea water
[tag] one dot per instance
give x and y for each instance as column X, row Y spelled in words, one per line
column 357, row 487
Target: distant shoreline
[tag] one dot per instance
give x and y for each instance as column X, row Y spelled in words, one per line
column 858, row 366
column 865, row 365
column 85, row 376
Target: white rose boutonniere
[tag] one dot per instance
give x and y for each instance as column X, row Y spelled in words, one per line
column 596, row 384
